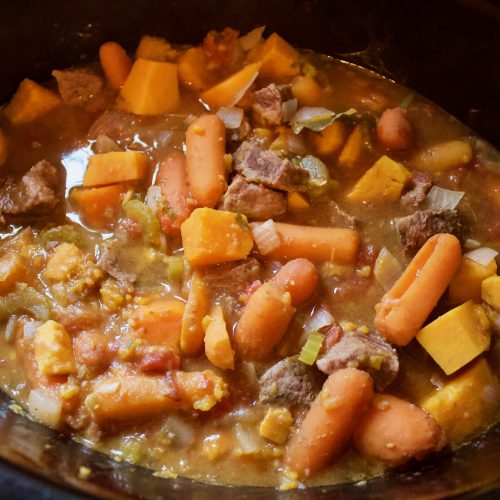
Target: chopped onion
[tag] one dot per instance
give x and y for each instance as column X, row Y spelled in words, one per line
column 315, row 118
column 252, row 38
column 45, row 407
column 387, row 269
column 266, row 236
column 471, row 244
column 483, row 255
column 183, row 432
column 443, row 199
column 30, row 328
column 288, row 109
column 153, row 197
column 248, row 442
column 319, row 319
column 232, row 117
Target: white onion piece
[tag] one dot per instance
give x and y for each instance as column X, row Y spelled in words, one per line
column 45, row 407
column 248, row 442
column 153, row 197
column 387, row 269
column 288, row 109
column 30, row 328
column 252, row 38
column 443, row 199
column 183, row 432
column 232, row 117
column 266, row 236
column 471, row 244
column 319, row 319
column 306, row 113
column 483, row 255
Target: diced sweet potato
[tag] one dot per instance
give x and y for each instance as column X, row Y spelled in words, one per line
column 490, row 291
column 12, row 270
column 115, row 167
column 466, row 404
column 152, row 88
column 63, row 262
column 457, row 337
column 99, row 206
column 276, row 425
column 154, row 48
column 193, row 71
column 232, row 89
column 160, row 322
column 443, row 156
column 466, row 284
column 279, row 59
column 217, row 344
column 383, row 182
column 30, row 102
column 54, row 350
column 330, row 140
column 215, row 236
column 356, row 145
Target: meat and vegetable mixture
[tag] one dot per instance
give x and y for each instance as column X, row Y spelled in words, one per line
column 247, row 264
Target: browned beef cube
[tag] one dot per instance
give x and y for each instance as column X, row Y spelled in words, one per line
column 77, row 85
column 266, row 108
column 233, row 277
column 266, row 167
column 253, row 200
column 419, row 186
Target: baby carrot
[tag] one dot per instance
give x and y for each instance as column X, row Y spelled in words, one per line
column 319, row 244
column 172, row 179
column 394, row 431
column 404, row 308
column 115, row 63
column 299, row 277
column 330, row 421
column 205, row 148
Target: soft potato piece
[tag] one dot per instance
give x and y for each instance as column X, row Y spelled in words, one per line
column 215, row 236
column 330, row 140
column 276, row 425
column 443, row 156
column 467, row 403
column 383, row 182
column 457, row 337
column 154, row 48
column 54, row 350
column 278, row 58
column 31, row 101
column 12, row 270
column 490, row 291
column 65, row 260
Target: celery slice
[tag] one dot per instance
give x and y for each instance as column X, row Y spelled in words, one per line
column 311, row 348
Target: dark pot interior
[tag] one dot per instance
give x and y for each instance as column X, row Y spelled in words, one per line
column 445, row 50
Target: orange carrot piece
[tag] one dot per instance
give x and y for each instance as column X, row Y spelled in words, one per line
column 115, row 63
column 394, row 431
column 99, row 206
column 217, row 343
column 404, row 308
column 299, row 277
column 205, row 149
column 330, row 421
column 172, row 179
column 263, row 322
column 319, row 244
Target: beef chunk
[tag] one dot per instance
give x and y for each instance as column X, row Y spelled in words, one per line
column 37, row 193
column 254, row 200
column 365, row 352
column 266, row 167
column 415, row 229
column 419, row 186
column 233, row 277
column 110, row 259
column 267, row 105
column 77, row 85
column 289, row 382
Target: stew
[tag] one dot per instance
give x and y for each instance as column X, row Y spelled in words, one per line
column 247, row 264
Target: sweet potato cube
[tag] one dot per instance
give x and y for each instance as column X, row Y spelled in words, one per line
column 232, row 89
column 12, row 269
column 466, row 284
column 330, row 140
column 490, row 291
column 279, row 59
column 193, row 71
column 54, row 350
column 217, row 344
column 98, row 206
column 357, row 143
column 215, row 236
column 115, row 167
column 467, row 403
column 457, row 337
column 31, row 101
column 160, row 322
column 152, row 88
column 154, row 48
column 65, row 260
column 383, row 182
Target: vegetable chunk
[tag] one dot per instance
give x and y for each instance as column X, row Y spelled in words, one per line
column 63, row 262
column 151, row 88
column 466, row 404
column 457, row 337
column 54, row 350
column 215, row 236
column 114, row 167
column 217, row 344
column 278, row 58
column 490, row 291
column 276, row 425
column 31, row 101
column 12, row 270
column 383, row 182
